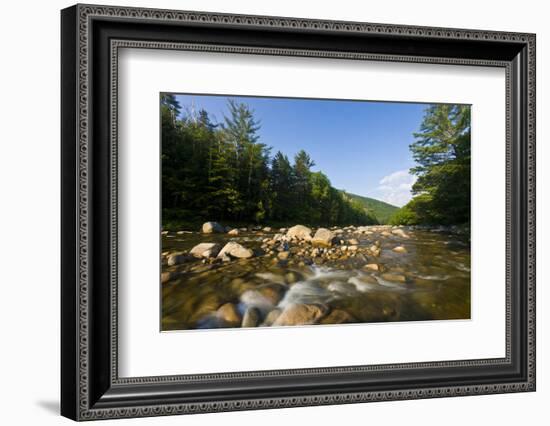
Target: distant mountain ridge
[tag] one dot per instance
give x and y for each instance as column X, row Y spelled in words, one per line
column 382, row 210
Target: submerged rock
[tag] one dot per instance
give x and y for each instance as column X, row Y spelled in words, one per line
column 168, row 276
column 271, row 317
column 399, row 249
column 273, row 292
column 306, row 292
column 398, row 278
column 229, row 315
column 299, row 232
column 255, row 299
column 251, row 318
column 205, row 250
column 211, row 227
column 338, row 316
column 300, row 314
column 400, row 233
column 234, row 249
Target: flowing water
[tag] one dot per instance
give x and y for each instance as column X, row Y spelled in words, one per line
column 430, row 281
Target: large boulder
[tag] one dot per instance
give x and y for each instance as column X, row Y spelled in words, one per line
column 206, row 250
column 211, row 227
column 400, row 233
column 323, row 237
column 178, row 259
column 234, row 249
column 301, row 314
column 300, row 232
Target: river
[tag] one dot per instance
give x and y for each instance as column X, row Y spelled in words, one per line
column 371, row 274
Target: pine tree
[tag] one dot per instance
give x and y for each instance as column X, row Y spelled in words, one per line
column 442, row 151
column 281, row 187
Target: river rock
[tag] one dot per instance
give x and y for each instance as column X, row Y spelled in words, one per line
column 271, row 317
column 400, row 249
column 211, row 227
column 353, row 248
column 205, row 250
column 300, row 314
column 233, row 232
column 353, row 242
column 372, row 267
column 273, row 292
column 292, row 276
column 400, row 233
column 168, row 276
column 338, row 316
column 254, row 299
column 229, row 315
column 398, row 278
column 364, row 283
column 323, row 237
column 234, row 249
column 284, row 255
column 267, row 229
column 251, row 318
column 299, row 232
column 178, row 259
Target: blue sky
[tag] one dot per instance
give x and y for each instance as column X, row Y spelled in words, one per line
column 363, row 147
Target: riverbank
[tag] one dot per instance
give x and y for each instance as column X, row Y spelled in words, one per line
column 222, row 277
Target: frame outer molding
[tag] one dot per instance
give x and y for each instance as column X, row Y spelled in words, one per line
column 76, row 20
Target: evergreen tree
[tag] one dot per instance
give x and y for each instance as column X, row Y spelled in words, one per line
column 213, row 171
column 281, row 187
column 442, row 152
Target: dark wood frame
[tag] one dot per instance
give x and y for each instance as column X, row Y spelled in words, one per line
column 91, row 37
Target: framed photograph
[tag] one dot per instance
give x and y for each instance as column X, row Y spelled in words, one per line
column 263, row 212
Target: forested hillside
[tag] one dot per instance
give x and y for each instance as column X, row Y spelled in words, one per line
column 381, row 210
column 222, row 171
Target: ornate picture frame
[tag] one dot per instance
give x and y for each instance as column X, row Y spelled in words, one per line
column 91, row 38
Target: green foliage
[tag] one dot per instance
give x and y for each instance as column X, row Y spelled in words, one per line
column 223, row 172
column 380, row 210
column 442, row 152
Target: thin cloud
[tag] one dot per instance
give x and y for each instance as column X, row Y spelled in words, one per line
column 395, row 188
